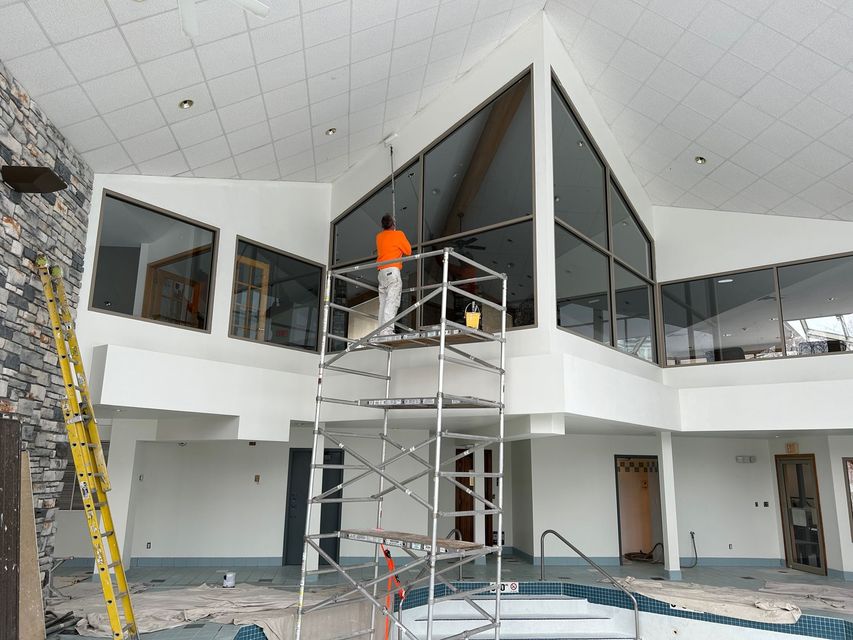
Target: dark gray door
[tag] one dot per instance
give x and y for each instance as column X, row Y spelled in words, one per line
column 299, row 473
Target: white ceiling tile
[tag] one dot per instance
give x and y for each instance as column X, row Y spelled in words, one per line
column 709, row 100
column 813, row 118
column 431, row 92
column 328, row 84
column 370, row 70
column 89, row 134
column 406, row 82
column 843, row 177
column 666, row 142
column 686, row 121
column 130, row 11
column 234, row 87
column 720, row 24
column 225, row 56
column 401, row 106
column 327, row 56
column 487, row 31
column 758, row 160
column 832, row 39
column 752, row 8
column 734, row 75
column 197, row 129
column 712, row 191
column 819, row 159
column 70, row 19
column 107, row 159
column 597, row 41
column 331, row 169
column 150, row 145
column 589, row 67
column 326, row 24
column 722, row 141
column 365, row 138
column 840, row 137
column 290, row 124
column 695, row 54
column 297, row 162
column 661, row 190
column 795, row 18
column 650, row 159
column 655, row 33
column 201, row 155
column 762, row 46
column 279, row 10
column 269, row 172
column 682, row 12
column 837, row 92
column 242, row 114
column 172, row 72
column 611, row 109
column 156, row 36
column 408, row 7
column 826, row 195
column 805, row 69
column 799, row 208
column 286, row 99
column 41, row 72
column 366, row 118
column 616, row 85
column 170, row 164
column 636, row 62
column 334, row 149
column 223, row 169
column 733, row 176
column 277, row 40
column 486, row 8
column 782, row 139
column 26, row 37
column 741, row 203
column 217, row 20
column 117, row 90
column 67, row 106
column 453, row 13
column 305, row 175
column 255, row 158
column 691, row 200
column 634, row 124
column 618, row 15
column 773, row 96
column 451, row 44
column 372, row 42
column 282, row 72
column 746, row 120
column 672, row 81
column 293, row 145
column 567, row 22
column 202, row 103
column 791, row 176
column 409, row 57
column 135, row 119
column 335, row 108
column 369, row 13
column 414, row 27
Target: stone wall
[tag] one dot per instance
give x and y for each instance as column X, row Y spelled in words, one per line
column 55, row 224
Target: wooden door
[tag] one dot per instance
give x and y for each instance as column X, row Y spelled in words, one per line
column 802, row 525
column 464, row 501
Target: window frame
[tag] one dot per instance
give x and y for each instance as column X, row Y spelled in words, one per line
column 610, row 180
column 774, row 267
column 292, row 256
column 419, row 158
column 214, row 248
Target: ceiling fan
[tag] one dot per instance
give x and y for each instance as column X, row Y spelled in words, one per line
column 189, row 17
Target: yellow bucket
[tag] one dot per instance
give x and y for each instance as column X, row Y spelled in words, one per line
column 472, row 316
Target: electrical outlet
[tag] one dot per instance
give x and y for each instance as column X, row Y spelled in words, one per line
column 766, row 504
column 731, row 546
column 141, row 477
column 257, row 479
column 147, row 545
column 756, row 503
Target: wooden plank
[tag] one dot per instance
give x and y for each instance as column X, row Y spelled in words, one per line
column 10, row 497
column 31, row 606
column 408, row 540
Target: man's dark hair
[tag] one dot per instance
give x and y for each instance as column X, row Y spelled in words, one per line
column 387, row 221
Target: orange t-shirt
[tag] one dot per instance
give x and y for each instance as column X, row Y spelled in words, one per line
column 391, row 244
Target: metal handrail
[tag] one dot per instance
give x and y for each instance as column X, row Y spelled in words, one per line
column 457, row 534
column 595, row 566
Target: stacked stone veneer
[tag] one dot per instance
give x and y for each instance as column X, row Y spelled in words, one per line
column 53, row 223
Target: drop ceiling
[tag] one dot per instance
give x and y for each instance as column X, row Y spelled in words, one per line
column 760, row 88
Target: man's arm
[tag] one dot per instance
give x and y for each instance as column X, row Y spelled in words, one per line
column 405, row 247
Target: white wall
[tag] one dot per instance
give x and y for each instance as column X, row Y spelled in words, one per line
column 522, row 497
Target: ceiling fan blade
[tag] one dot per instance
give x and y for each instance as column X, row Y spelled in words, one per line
column 189, row 18
column 255, row 7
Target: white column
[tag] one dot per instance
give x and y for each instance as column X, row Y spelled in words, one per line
column 666, row 469
column 479, row 488
column 313, row 558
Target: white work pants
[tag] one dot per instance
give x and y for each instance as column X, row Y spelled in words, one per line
column 390, row 289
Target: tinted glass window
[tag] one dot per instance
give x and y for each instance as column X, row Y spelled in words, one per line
column 579, row 194
column 276, row 298
column 151, row 265
column 583, row 284
column 733, row 317
column 816, row 306
column 355, row 234
column 482, row 173
column 634, row 325
column 629, row 242
column 505, row 250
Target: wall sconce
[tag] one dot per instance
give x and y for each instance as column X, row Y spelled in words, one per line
column 32, row 179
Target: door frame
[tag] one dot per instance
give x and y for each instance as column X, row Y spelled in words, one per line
column 783, row 509
column 616, row 458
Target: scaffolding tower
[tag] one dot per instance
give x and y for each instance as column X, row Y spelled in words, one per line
column 431, row 557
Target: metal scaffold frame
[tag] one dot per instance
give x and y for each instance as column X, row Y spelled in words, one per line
column 430, row 557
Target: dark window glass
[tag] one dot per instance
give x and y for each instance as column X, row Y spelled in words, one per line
column 583, row 285
column 154, row 266
column 733, row 317
column 482, row 173
column 506, row 250
column 817, row 307
column 276, row 298
column 579, row 194
column 634, row 324
column 629, row 243
column 355, row 233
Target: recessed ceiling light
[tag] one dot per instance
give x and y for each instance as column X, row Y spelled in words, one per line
column 581, row 144
column 727, row 335
column 699, row 160
column 832, row 299
column 725, row 280
column 331, row 131
column 773, row 319
column 186, row 103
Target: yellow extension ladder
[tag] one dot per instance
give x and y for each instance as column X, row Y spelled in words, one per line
column 88, row 455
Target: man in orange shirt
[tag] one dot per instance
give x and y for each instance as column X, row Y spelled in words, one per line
column 390, row 244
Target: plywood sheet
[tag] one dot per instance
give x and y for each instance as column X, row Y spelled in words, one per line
column 31, row 607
